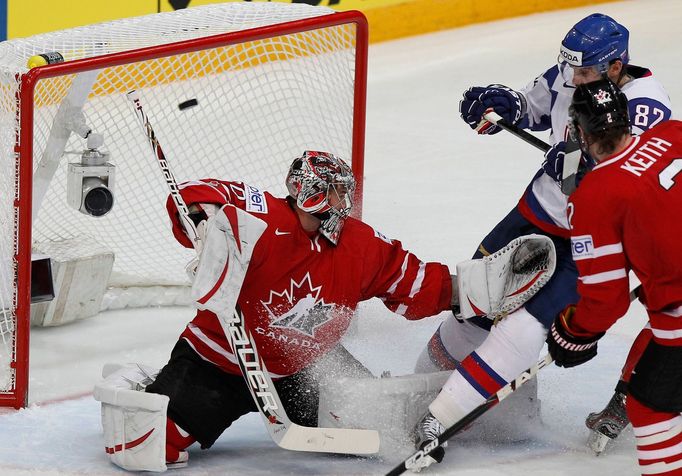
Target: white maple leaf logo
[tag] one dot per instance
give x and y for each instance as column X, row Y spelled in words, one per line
column 299, row 307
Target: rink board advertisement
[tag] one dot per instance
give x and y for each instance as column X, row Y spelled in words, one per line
column 388, row 19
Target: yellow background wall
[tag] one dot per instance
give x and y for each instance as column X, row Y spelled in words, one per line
column 388, row 19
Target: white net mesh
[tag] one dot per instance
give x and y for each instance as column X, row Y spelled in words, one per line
column 260, row 104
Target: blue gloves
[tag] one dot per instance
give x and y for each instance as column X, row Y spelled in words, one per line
column 477, row 100
column 554, row 161
column 579, row 164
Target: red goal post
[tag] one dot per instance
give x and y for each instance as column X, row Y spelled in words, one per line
column 269, row 81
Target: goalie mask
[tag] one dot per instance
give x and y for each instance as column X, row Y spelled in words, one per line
column 323, row 185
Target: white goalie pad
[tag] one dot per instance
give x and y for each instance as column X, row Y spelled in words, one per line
column 394, row 405
column 134, row 422
column 231, row 236
column 391, row 405
column 498, row 284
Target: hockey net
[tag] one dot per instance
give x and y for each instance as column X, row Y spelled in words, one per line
column 270, row 80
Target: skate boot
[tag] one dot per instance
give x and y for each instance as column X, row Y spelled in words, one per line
column 607, row 424
column 426, row 430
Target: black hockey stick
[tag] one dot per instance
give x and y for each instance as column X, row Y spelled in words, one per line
column 495, row 118
column 572, row 151
column 494, row 399
column 282, row 430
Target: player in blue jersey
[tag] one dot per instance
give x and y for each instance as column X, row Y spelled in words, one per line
column 485, row 357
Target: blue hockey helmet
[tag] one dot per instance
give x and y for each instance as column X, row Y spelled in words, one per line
column 596, row 40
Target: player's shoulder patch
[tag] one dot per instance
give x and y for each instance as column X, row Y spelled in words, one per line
column 255, row 200
column 382, row 237
column 582, row 247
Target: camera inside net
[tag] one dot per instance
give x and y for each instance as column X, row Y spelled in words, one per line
column 90, row 182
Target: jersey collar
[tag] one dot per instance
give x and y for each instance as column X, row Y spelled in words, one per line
column 633, row 142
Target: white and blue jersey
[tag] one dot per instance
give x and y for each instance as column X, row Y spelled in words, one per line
column 548, row 98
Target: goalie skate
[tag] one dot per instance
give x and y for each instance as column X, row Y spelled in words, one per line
column 607, row 424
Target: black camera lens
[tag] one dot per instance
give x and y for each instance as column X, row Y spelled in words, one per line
column 98, row 201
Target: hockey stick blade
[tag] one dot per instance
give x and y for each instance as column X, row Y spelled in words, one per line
column 330, row 440
column 501, row 394
column 495, row 118
column 283, row 431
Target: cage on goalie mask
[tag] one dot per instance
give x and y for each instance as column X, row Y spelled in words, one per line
column 315, row 180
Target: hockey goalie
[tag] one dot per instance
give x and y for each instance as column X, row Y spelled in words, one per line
column 276, row 286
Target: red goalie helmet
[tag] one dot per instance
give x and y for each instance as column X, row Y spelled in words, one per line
column 323, row 185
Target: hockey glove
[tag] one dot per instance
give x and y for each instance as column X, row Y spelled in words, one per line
column 477, row 100
column 554, row 161
column 566, row 348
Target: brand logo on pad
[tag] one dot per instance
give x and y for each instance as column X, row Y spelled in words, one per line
column 299, row 307
column 582, row 247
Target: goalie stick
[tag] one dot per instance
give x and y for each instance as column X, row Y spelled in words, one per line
column 180, row 204
column 282, row 430
column 470, row 417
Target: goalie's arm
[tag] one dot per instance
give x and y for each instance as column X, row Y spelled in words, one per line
column 203, row 198
column 405, row 284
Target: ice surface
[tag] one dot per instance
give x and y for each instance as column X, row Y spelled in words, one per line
column 438, row 187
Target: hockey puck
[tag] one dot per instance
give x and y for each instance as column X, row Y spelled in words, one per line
column 187, row 104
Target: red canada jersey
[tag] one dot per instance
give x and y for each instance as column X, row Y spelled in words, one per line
column 625, row 215
column 300, row 291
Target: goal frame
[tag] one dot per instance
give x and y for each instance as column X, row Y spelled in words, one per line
column 18, row 397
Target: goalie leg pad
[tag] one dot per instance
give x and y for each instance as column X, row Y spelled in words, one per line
column 391, row 405
column 133, row 421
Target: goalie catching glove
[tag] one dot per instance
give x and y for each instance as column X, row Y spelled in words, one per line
column 498, row 284
column 568, row 347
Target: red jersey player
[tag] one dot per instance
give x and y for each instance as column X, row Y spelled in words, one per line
column 294, row 285
column 308, row 271
column 622, row 218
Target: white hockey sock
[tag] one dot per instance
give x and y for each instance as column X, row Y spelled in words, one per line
column 512, row 346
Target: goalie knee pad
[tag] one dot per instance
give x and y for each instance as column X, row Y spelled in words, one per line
column 134, row 422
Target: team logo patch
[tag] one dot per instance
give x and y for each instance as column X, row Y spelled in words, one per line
column 255, row 200
column 602, row 97
column 299, row 308
column 383, row 237
column 582, row 247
